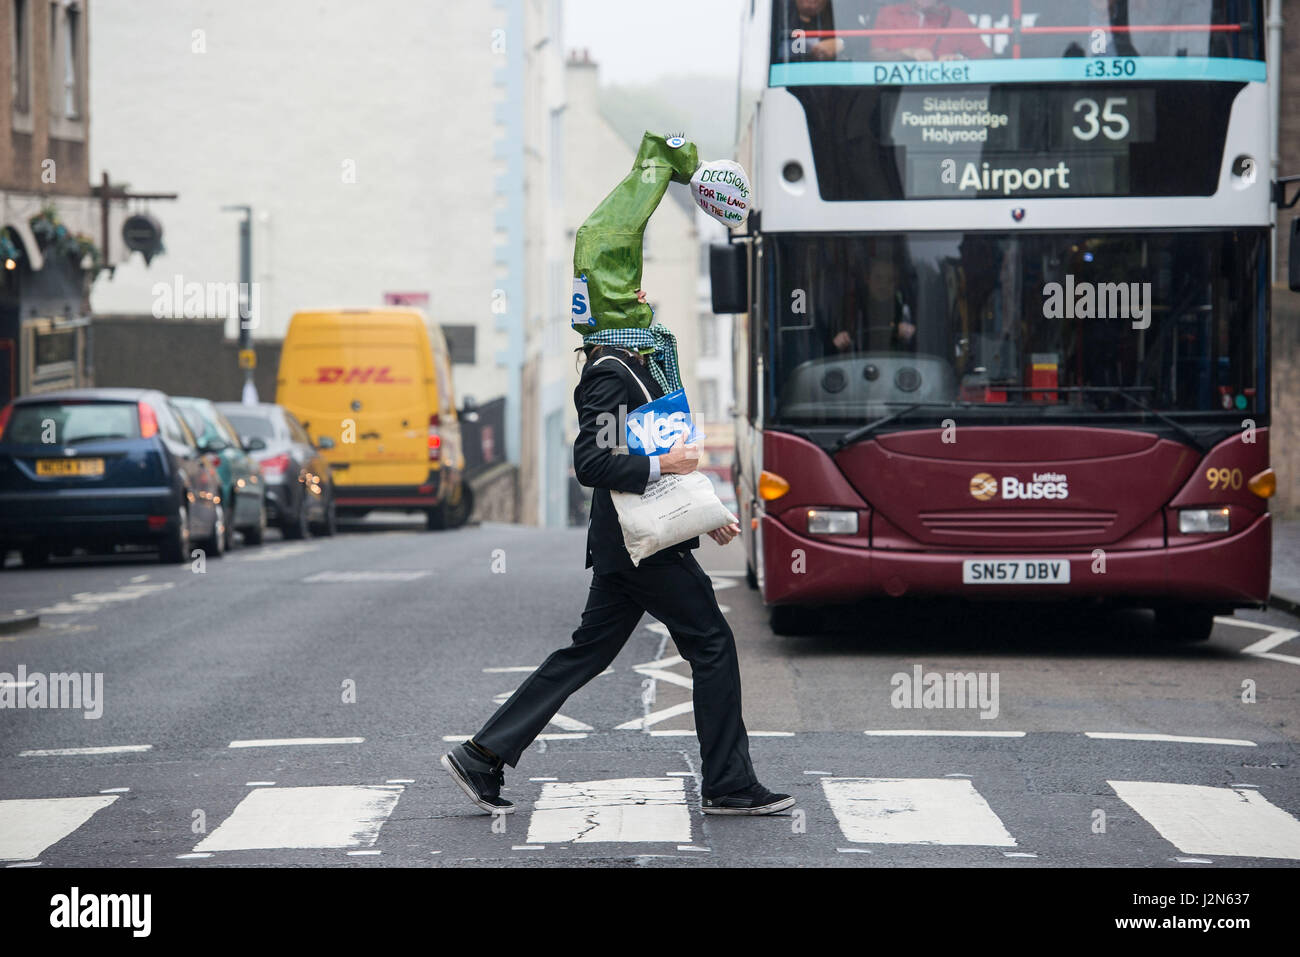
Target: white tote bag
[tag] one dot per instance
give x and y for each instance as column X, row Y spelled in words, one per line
column 671, row 510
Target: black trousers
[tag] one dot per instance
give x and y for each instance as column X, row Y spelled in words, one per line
column 679, row 594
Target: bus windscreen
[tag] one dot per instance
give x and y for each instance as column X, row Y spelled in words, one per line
column 925, row 41
column 1031, row 328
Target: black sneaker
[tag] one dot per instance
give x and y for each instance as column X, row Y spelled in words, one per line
column 754, row 799
column 481, row 780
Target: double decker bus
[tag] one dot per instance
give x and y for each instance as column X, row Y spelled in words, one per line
column 1002, row 303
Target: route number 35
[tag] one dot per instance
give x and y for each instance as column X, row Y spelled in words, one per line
column 1113, row 125
column 1223, row 478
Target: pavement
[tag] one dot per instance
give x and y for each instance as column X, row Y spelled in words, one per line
column 1285, row 588
column 286, row 705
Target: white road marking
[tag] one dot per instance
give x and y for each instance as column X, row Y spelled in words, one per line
column 273, row 552
column 826, row 773
column 1183, row 739
column 65, row 752
column 192, row 857
column 669, row 676
column 1264, row 647
column 305, row 817
column 621, row 809
column 1224, row 822
column 722, row 583
column 30, row 826
column 1193, row 860
column 528, row 847
column 562, row 736
column 290, row 742
column 770, row 734
column 25, row 864
column 510, row 669
column 139, row 578
column 570, row 724
column 914, row 811
column 543, row 779
column 400, row 781
column 90, row 601
column 692, row 847
column 334, row 578
column 661, row 663
column 890, row 733
column 263, row 784
column 681, row 774
column 115, row 791
column 654, row 717
column 364, row 853
column 455, row 738
column 853, row 850
column 1017, row 854
column 669, row 734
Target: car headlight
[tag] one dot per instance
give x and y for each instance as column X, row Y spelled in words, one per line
column 823, row 521
column 1192, row 521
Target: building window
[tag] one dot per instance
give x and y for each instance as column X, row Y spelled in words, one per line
column 708, row 335
column 708, row 410
column 460, row 342
column 22, row 83
column 72, row 65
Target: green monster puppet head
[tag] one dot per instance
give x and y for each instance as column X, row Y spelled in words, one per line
column 607, row 248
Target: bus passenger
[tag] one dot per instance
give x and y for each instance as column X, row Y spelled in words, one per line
column 925, row 16
column 801, row 16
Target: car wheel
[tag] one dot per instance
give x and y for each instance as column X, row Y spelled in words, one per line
column 176, row 546
column 296, row 526
column 215, row 544
column 255, row 534
column 1184, row 624
column 330, row 524
column 35, row 554
column 794, row 620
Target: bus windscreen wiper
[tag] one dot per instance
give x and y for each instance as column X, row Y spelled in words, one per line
column 1170, row 421
column 1123, row 393
column 862, row 431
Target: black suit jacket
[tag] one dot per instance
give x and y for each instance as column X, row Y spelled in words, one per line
column 607, row 390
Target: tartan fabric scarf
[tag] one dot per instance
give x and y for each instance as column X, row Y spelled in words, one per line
column 657, row 342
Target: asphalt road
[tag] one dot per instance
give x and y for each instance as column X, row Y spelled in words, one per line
column 387, row 642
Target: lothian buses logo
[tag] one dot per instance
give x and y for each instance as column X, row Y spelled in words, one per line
column 1053, row 485
column 983, row 486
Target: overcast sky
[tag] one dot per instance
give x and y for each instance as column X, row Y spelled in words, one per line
column 635, row 41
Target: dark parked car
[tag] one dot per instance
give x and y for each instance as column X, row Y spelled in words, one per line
column 299, row 484
column 242, row 490
column 96, row 468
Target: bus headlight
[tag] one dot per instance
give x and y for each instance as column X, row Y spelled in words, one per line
column 1192, row 521
column 823, row 521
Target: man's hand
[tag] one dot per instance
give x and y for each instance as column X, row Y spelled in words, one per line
column 725, row 534
column 680, row 459
column 842, row 341
column 640, row 295
column 906, row 331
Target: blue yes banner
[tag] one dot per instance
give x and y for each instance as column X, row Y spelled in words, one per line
column 654, row 428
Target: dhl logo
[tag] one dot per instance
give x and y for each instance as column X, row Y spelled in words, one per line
column 372, row 375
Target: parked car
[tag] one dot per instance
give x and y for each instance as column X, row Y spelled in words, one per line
column 97, row 468
column 385, row 375
column 242, row 490
column 299, row 483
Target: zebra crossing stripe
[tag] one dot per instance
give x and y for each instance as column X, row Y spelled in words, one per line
column 1224, row 822
column 29, row 826
column 305, row 817
column 620, row 809
column 945, row 811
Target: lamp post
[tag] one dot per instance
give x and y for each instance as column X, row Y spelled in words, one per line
column 247, row 357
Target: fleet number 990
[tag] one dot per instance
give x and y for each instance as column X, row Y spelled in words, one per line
column 1220, row 479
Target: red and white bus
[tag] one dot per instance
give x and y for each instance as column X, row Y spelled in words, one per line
column 1002, row 303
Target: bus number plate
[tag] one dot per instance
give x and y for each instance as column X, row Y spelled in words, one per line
column 1015, row 571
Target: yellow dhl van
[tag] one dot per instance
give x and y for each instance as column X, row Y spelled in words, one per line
column 373, row 388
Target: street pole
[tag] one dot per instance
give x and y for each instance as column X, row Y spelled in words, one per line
column 247, row 357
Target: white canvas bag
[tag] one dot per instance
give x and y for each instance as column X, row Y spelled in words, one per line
column 671, row 510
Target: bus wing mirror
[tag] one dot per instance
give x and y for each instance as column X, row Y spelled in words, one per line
column 729, row 276
column 1293, row 265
